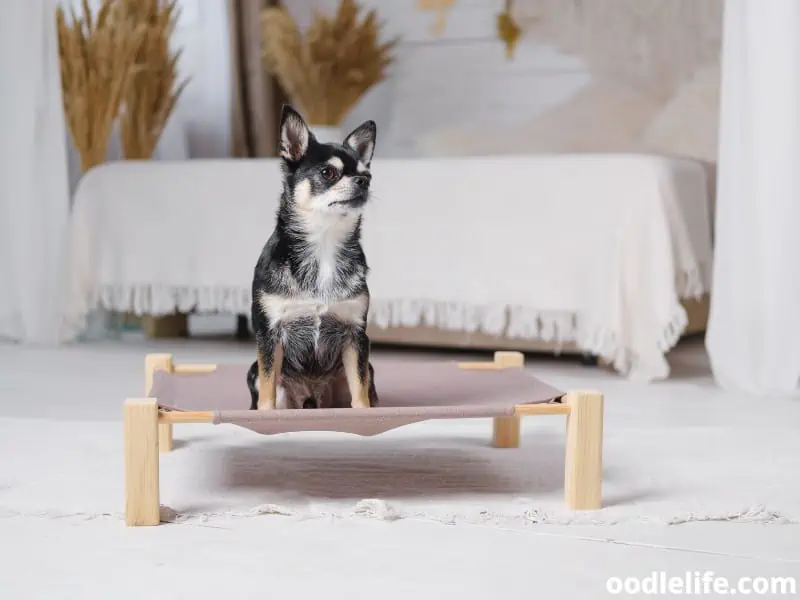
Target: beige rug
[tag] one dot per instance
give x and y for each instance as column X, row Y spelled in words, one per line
column 442, row 471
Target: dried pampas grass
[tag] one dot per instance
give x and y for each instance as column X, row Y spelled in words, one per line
column 326, row 72
column 96, row 56
column 153, row 89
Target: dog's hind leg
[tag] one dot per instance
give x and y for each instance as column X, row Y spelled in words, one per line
column 373, row 392
column 252, row 379
column 270, row 362
column 355, row 359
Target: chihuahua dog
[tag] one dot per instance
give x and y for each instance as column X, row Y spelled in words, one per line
column 310, row 296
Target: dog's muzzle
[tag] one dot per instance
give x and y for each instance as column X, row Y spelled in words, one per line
column 362, row 181
column 356, row 201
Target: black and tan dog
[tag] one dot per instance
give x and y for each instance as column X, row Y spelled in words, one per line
column 310, row 294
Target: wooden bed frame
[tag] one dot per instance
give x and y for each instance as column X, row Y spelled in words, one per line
column 148, row 432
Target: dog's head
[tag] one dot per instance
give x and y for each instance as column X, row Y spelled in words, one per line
column 325, row 179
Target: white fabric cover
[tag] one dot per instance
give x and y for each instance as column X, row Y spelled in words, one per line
column 754, row 329
column 592, row 248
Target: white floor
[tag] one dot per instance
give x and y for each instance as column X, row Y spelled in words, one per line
column 46, row 558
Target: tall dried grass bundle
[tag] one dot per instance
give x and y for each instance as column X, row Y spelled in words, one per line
column 96, row 58
column 327, row 71
column 153, row 88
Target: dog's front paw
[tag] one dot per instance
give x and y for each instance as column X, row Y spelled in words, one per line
column 266, row 401
column 360, row 403
column 361, row 398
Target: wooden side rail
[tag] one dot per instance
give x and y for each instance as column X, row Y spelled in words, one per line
column 191, row 369
column 521, row 410
column 551, row 408
column 153, row 363
column 503, row 359
column 170, row 417
column 163, row 362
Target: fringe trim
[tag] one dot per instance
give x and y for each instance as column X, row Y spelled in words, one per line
column 514, row 322
column 450, row 316
column 693, row 283
column 380, row 510
column 159, row 300
column 529, row 324
column 153, row 300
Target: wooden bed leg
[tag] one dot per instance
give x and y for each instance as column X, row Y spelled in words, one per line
column 506, row 359
column 505, row 430
column 141, row 462
column 583, row 476
column 165, row 437
column 152, row 363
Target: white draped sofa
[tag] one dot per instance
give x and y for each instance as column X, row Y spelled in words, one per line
column 606, row 254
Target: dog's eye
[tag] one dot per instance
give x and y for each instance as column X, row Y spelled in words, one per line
column 330, row 174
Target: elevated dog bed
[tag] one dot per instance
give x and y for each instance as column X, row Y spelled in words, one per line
column 409, row 392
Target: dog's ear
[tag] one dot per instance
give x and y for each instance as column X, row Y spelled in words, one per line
column 362, row 140
column 295, row 135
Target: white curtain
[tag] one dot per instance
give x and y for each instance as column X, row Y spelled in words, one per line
column 754, row 331
column 34, row 193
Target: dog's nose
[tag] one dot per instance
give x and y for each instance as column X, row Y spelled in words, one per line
column 361, row 181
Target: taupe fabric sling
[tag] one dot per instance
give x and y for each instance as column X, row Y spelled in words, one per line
column 409, row 392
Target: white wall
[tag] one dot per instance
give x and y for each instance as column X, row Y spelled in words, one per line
column 460, row 77
column 437, row 82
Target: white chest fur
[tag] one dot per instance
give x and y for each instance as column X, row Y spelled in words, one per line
column 281, row 309
column 325, row 232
